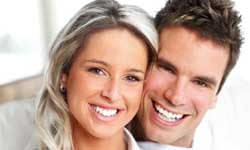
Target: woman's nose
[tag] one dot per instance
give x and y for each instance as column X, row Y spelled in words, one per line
column 111, row 90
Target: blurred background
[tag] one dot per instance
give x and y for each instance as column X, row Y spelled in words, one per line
column 28, row 27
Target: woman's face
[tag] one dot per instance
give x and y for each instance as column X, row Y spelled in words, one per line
column 104, row 85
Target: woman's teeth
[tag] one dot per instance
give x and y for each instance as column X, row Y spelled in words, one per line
column 166, row 115
column 106, row 112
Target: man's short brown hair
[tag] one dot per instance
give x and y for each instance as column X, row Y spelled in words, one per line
column 212, row 19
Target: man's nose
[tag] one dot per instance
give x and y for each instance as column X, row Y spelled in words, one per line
column 111, row 90
column 175, row 92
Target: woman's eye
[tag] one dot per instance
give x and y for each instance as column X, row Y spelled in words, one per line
column 96, row 70
column 133, row 78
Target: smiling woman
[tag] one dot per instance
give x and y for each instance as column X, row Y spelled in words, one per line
column 94, row 80
column 104, row 91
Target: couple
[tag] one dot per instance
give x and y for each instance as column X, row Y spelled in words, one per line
column 107, row 71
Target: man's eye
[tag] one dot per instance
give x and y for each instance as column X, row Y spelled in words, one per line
column 131, row 78
column 201, row 83
column 96, row 70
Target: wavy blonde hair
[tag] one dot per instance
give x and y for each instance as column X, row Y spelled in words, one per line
column 52, row 114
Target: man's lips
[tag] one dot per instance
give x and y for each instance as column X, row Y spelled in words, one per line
column 165, row 115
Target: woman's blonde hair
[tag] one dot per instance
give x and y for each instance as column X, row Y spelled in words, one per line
column 52, row 114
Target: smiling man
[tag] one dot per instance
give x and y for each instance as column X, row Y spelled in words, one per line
column 199, row 45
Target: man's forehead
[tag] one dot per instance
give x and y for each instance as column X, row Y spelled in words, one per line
column 164, row 35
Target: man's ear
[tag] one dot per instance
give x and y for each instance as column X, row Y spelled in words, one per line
column 213, row 103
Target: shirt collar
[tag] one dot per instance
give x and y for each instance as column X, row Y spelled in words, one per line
column 132, row 144
column 146, row 145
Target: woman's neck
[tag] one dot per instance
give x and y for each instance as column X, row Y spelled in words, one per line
column 82, row 140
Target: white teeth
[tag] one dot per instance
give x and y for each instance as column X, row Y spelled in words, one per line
column 106, row 112
column 166, row 115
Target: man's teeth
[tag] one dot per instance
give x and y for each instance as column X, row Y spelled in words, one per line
column 106, row 112
column 166, row 115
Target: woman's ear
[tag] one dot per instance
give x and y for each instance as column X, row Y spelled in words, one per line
column 64, row 79
column 63, row 83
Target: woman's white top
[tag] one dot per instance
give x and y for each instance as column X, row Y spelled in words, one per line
column 132, row 144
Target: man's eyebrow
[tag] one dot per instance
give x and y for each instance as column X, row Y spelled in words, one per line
column 209, row 80
column 166, row 64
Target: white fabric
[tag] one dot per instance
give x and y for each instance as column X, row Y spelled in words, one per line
column 16, row 124
column 132, row 144
column 156, row 146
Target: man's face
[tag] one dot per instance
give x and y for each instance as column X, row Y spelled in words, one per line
column 182, row 86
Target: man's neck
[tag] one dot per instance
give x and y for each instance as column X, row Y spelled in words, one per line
column 183, row 142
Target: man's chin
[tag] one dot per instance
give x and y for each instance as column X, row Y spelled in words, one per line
column 158, row 135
